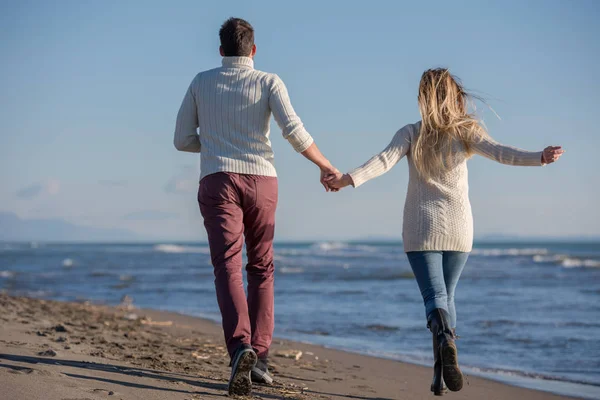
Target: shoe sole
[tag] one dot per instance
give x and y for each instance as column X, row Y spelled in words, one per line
column 450, row 370
column 240, row 383
column 439, row 393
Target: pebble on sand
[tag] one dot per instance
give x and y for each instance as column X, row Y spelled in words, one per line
column 47, row 353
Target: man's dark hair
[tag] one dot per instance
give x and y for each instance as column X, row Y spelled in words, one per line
column 237, row 37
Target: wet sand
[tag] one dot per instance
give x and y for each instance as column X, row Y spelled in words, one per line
column 80, row 351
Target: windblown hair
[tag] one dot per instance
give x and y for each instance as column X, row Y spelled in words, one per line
column 446, row 122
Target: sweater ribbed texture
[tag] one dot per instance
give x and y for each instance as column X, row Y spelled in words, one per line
column 437, row 213
column 225, row 116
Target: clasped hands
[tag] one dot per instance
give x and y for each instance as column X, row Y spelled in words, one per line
column 333, row 180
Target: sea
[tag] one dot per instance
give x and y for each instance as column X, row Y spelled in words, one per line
column 528, row 313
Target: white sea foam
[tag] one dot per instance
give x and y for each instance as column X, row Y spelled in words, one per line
column 329, row 246
column 174, row 248
column 291, row 270
column 6, row 274
column 548, row 259
column 578, row 262
column 567, row 261
column 510, row 252
column 68, row 262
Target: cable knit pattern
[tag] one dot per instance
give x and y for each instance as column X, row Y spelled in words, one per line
column 437, row 213
column 225, row 116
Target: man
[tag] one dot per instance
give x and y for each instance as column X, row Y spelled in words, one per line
column 225, row 116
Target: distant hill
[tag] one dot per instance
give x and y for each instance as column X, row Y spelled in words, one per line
column 15, row 229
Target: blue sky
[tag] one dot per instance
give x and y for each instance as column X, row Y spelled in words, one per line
column 90, row 91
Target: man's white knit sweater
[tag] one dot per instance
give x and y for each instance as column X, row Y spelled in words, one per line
column 225, row 116
column 437, row 213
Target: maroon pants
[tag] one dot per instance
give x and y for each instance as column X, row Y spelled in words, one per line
column 235, row 206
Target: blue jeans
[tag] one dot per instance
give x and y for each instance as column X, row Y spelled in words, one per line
column 437, row 274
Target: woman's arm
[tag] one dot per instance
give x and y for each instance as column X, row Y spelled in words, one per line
column 508, row 155
column 377, row 165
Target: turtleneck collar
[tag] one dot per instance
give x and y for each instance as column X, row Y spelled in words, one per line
column 238, row 62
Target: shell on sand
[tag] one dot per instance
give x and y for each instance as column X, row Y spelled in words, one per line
column 148, row 321
column 293, row 354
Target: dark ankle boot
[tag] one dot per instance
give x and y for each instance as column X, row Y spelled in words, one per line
column 447, row 352
column 437, row 384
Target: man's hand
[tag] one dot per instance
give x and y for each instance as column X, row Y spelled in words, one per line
column 327, row 173
column 327, row 170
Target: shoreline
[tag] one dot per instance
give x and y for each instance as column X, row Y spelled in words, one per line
column 55, row 350
column 522, row 379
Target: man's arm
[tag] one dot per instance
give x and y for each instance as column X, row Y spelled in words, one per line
column 327, row 170
column 290, row 124
column 186, row 137
column 293, row 130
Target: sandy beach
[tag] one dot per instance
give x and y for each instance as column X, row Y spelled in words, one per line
column 79, row 351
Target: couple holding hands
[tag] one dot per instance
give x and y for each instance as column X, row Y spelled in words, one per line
column 225, row 116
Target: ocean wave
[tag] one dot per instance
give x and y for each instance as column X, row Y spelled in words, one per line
column 510, row 252
column 329, row 246
column 7, row 274
column 291, row 270
column 578, row 262
column 336, row 246
column 7, row 247
column 382, row 328
column 316, row 332
column 68, row 263
column 567, row 261
column 174, row 248
column 378, row 276
column 498, row 372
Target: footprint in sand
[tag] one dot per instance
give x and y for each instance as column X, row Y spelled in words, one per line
column 364, row 388
column 104, row 391
column 20, row 370
column 78, row 398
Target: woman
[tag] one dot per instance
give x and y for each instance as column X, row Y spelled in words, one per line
column 438, row 224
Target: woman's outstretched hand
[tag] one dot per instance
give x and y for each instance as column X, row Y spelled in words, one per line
column 338, row 181
column 551, row 154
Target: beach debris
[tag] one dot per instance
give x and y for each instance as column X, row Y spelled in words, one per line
column 131, row 316
column 148, row 321
column 47, row 353
column 61, row 339
column 40, row 333
column 199, row 356
column 292, row 354
column 126, row 304
column 60, row 328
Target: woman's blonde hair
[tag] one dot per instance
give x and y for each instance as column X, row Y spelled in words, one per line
column 446, row 121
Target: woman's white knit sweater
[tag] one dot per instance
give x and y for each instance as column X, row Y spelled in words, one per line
column 437, row 213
